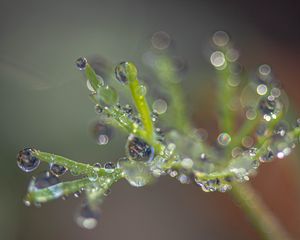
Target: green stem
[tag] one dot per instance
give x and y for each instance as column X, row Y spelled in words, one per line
column 258, row 213
column 138, row 96
column 171, row 82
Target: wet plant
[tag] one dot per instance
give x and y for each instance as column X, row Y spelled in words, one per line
column 252, row 122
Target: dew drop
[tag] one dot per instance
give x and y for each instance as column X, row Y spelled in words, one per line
column 217, row 59
column 57, row 170
column 109, row 166
column 161, row 40
column 160, row 106
column 102, row 133
column 98, row 109
column 26, row 161
column 88, row 217
column 43, row 180
column 269, row 108
column 92, row 175
column 123, row 69
column 141, row 90
column 136, row 173
column 264, row 70
column 261, row 89
column 81, row 63
column 224, row 139
column 220, row 38
column 267, row 157
column 138, row 150
column 187, row 163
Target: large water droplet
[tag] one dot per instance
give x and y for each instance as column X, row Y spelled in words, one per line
column 26, row 161
column 43, row 180
column 224, row 139
column 136, row 173
column 57, row 170
column 139, row 150
column 88, row 217
column 81, row 63
column 123, row 70
column 160, row 106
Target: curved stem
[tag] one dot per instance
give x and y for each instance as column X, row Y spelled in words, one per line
column 258, row 213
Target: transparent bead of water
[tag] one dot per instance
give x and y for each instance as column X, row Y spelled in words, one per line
column 267, row 156
column 43, row 180
column 26, row 161
column 224, row 139
column 98, row 109
column 160, row 40
column 109, row 166
column 81, row 63
column 57, row 170
column 160, row 106
column 102, row 133
column 136, row 173
column 88, row 217
column 138, row 150
column 220, row 38
column 183, row 178
column 92, row 175
column 123, row 70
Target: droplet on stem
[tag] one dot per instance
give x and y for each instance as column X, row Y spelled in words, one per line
column 26, row 161
column 138, row 150
column 81, row 63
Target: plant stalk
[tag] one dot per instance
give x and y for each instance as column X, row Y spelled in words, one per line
column 258, row 213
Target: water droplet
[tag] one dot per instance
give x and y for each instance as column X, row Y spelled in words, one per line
column 136, row 173
column 183, row 178
column 102, row 133
column 97, row 165
column 43, row 180
column 123, row 69
column 92, row 175
column 261, row 89
column 224, row 139
column 57, row 170
column 275, row 92
column 233, row 55
column 266, row 157
column 109, row 166
column 77, row 194
column 173, row 173
column 26, row 161
column 217, row 59
column 247, row 141
column 160, row 106
column 264, row 70
column 138, row 150
column 220, row 38
column 187, row 163
column 98, row 109
column 141, row 90
column 88, row 217
column 251, row 114
column 81, row 63
column 270, row 108
column 160, row 40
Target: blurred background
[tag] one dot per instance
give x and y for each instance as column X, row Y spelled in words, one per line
column 44, row 103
